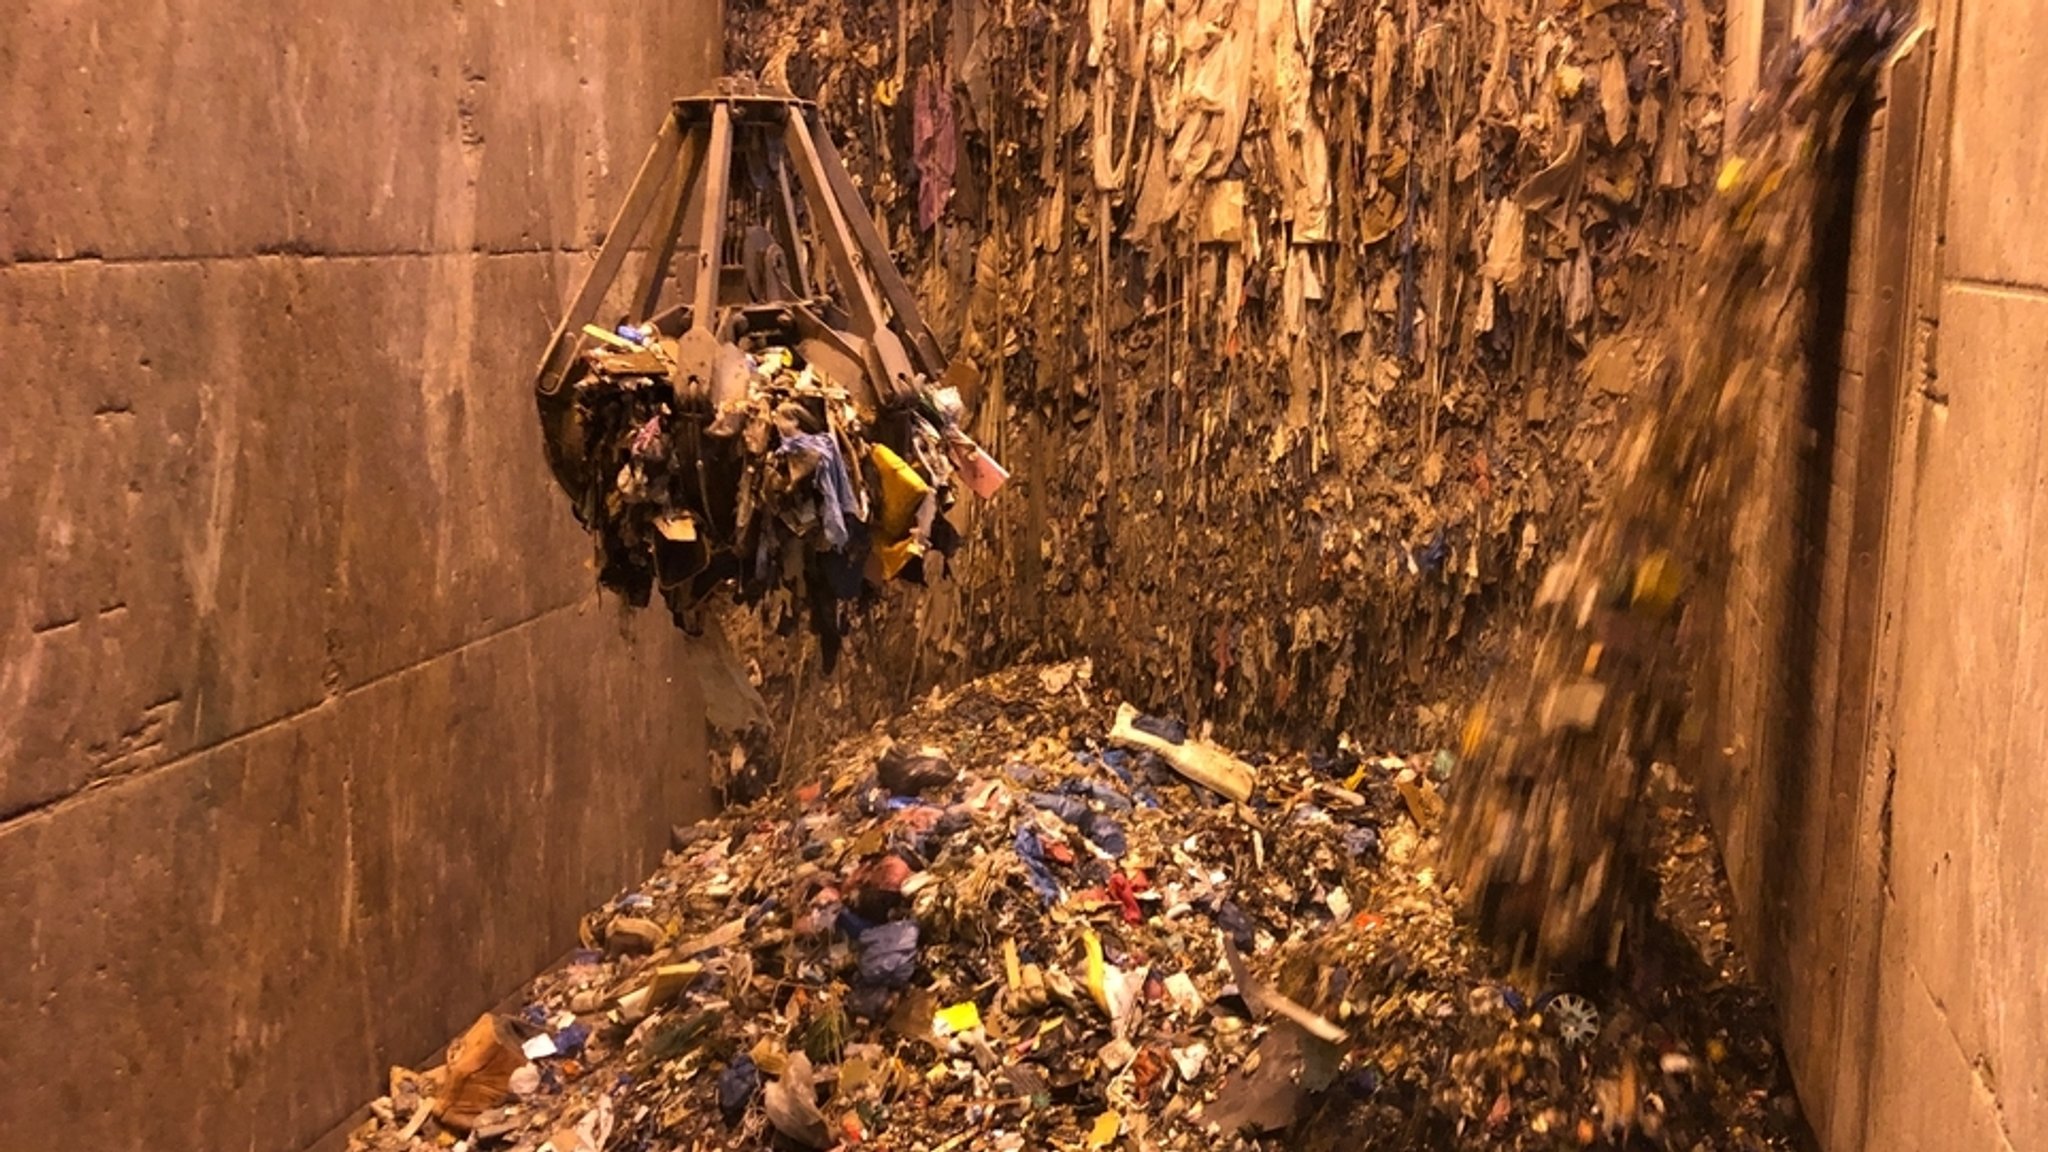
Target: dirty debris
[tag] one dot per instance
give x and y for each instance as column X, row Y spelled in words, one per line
column 980, row 963
column 769, row 415
column 1291, row 300
column 913, row 773
column 781, row 495
column 1202, row 762
column 1550, row 840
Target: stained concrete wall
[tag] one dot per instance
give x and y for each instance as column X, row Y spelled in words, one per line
column 1881, row 808
column 314, row 738
column 1960, row 1058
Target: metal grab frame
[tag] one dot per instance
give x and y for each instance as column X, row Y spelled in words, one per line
column 692, row 155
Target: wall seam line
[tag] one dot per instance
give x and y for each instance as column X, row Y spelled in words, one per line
column 57, row 805
column 1991, row 286
column 148, row 260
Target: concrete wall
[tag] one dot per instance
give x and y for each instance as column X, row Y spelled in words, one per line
column 1960, row 1058
column 1784, row 802
column 1882, row 808
column 314, row 738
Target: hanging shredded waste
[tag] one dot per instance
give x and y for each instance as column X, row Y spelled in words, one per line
column 1296, row 319
column 1548, row 837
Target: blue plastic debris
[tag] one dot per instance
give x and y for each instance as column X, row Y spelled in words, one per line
column 1362, row 841
column 1341, row 763
column 1032, row 853
column 570, row 1040
column 1165, row 727
column 1432, row 558
column 1232, row 919
column 888, row 954
column 737, row 1086
column 872, row 800
column 850, row 923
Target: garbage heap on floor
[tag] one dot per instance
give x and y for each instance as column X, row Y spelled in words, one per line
column 787, row 495
column 1022, row 917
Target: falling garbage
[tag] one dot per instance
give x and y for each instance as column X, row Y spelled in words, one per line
column 1549, row 840
column 978, row 962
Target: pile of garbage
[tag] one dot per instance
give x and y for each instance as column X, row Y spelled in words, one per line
column 1021, row 917
column 786, row 494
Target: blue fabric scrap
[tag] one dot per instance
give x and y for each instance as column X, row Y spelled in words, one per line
column 736, row 1088
column 1106, row 834
column 1362, row 842
column 888, row 954
column 1065, row 807
column 835, row 485
column 1165, row 727
column 1099, row 792
column 1032, row 853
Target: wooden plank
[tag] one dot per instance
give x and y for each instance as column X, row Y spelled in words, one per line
column 568, row 336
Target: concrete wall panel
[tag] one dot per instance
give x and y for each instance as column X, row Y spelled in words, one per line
column 1927, row 1099
column 254, row 933
column 182, row 129
column 1970, row 564
column 1997, row 152
column 169, row 484
column 294, row 479
column 1964, row 919
column 188, row 129
column 317, row 736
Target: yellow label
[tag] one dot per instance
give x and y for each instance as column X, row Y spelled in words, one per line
column 961, row 1017
column 1098, row 970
